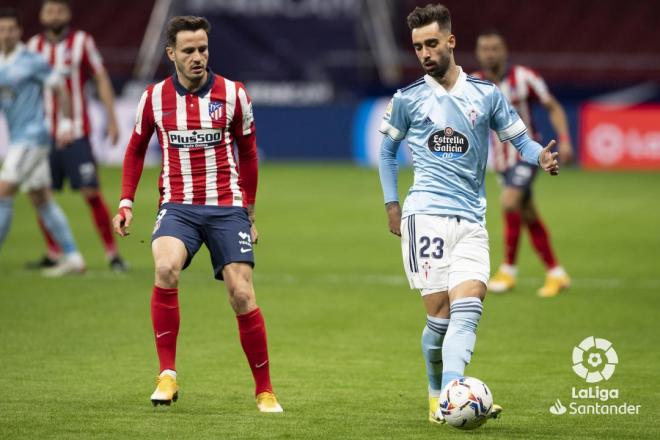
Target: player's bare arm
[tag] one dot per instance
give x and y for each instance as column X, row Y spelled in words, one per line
column 393, row 210
column 548, row 159
column 253, row 228
column 64, row 135
column 107, row 96
column 559, row 122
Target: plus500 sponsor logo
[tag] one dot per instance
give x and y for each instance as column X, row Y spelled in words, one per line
column 195, row 138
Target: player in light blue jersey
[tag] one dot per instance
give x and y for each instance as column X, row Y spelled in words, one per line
column 23, row 76
column 445, row 118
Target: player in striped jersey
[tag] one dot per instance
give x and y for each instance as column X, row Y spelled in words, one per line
column 522, row 87
column 74, row 53
column 206, row 196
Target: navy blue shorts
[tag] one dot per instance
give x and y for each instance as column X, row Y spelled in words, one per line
column 225, row 230
column 76, row 163
column 520, row 176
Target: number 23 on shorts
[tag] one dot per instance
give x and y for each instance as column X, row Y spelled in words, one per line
column 431, row 247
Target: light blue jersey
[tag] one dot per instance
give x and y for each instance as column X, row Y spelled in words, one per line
column 23, row 76
column 447, row 133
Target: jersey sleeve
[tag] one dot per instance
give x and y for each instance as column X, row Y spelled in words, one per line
column 244, row 132
column 504, row 119
column 92, row 60
column 137, row 146
column 396, row 120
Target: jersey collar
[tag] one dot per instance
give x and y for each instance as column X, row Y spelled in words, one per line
column 440, row 91
column 201, row 92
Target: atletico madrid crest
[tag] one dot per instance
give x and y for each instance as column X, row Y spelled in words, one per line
column 215, row 110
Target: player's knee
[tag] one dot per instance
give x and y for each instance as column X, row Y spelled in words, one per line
column 528, row 214
column 39, row 197
column 167, row 273
column 510, row 200
column 241, row 296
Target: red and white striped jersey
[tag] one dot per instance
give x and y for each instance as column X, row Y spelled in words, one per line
column 76, row 57
column 196, row 132
column 521, row 86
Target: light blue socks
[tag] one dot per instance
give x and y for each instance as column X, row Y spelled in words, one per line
column 56, row 223
column 460, row 338
column 432, row 337
column 6, row 211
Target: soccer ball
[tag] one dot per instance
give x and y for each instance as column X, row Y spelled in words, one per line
column 465, row 403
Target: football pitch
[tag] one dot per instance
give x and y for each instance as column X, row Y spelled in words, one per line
column 77, row 357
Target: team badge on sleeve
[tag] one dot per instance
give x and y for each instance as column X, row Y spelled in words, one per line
column 388, row 110
column 215, row 110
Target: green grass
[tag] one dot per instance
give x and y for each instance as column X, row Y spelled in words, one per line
column 77, row 358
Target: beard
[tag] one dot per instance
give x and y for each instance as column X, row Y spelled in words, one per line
column 438, row 69
column 57, row 28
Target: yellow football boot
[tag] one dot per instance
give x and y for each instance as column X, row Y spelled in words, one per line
column 167, row 391
column 434, row 417
column 503, row 281
column 267, row 403
column 495, row 412
column 554, row 283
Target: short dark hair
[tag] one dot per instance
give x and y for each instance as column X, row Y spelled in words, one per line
column 11, row 13
column 491, row 32
column 428, row 14
column 66, row 3
column 185, row 23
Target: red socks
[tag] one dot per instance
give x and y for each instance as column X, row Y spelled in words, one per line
column 101, row 217
column 512, row 221
column 541, row 242
column 538, row 234
column 252, row 331
column 165, row 318
column 251, row 327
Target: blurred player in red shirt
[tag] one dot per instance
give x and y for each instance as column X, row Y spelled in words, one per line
column 522, row 86
column 74, row 54
column 206, row 196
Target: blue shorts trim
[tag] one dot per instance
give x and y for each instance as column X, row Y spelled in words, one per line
column 76, row 163
column 225, row 230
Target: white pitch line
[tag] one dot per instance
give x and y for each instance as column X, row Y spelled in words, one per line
column 610, row 283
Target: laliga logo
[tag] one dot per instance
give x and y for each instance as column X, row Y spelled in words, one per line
column 594, row 359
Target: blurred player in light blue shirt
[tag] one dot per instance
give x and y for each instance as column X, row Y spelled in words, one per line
column 23, row 76
column 445, row 117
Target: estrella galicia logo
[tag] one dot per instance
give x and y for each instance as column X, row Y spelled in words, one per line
column 448, row 143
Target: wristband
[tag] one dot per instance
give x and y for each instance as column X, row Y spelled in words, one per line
column 126, row 203
column 564, row 138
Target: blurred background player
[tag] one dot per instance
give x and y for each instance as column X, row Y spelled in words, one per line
column 445, row 117
column 74, row 52
column 522, row 87
column 206, row 196
column 23, row 77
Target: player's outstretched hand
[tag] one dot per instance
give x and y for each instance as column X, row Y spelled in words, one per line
column 122, row 221
column 394, row 217
column 548, row 159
